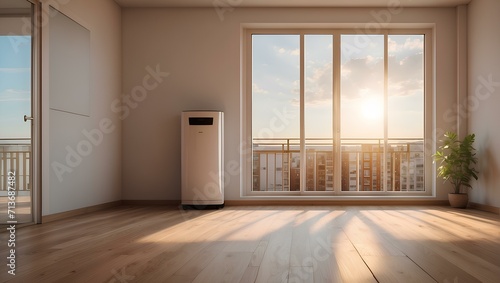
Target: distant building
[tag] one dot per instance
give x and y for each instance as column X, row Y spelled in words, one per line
column 319, row 170
column 362, row 168
column 295, row 179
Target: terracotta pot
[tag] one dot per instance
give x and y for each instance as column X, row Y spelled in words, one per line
column 458, row 200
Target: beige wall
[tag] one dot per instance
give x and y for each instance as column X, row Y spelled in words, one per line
column 96, row 178
column 201, row 52
column 484, row 114
column 13, row 25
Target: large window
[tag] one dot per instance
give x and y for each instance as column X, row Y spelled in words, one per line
column 338, row 112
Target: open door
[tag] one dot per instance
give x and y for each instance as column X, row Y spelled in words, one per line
column 18, row 101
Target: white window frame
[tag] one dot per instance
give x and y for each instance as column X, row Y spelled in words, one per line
column 246, row 152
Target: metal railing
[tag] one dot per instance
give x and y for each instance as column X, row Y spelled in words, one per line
column 15, row 157
column 276, row 164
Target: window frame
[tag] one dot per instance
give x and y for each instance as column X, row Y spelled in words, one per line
column 246, row 147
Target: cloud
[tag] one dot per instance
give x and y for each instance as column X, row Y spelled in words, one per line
column 319, row 85
column 362, row 76
column 296, row 87
column 293, row 52
column 406, row 73
column 15, row 95
column 406, row 76
column 14, row 70
column 257, row 89
column 410, row 44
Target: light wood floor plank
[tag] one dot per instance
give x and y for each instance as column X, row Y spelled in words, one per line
column 437, row 266
column 250, row 274
column 368, row 241
column 276, row 261
column 261, row 244
column 247, row 235
column 258, row 254
column 301, row 274
column 439, row 243
column 226, row 267
column 388, row 269
column 351, row 265
column 301, row 248
column 323, row 235
column 459, row 229
column 196, row 264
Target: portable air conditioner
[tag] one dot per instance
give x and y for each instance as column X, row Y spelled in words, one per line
column 202, row 165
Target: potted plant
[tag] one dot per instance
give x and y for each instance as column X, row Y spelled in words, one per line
column 456, row 164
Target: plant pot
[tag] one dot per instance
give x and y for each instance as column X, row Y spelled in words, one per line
column 458, row 200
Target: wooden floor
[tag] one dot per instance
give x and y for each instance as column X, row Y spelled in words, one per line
column 261, row 244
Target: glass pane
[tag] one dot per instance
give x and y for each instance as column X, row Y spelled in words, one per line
column 15, row 86
column 362, row 112
column 318, row 103
column 406, row 113
column 15, row 102
column 405, row 166
column 275, row 110
column 362, row 86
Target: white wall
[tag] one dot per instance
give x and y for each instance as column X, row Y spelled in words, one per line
column 96, row 178
column 202, row 54
column 484, row 114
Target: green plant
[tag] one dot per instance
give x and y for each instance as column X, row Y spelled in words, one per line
column 457, row 159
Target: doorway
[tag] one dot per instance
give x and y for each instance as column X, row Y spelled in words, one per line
column 18, row 112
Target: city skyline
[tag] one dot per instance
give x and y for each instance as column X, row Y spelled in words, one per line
column 361, row 168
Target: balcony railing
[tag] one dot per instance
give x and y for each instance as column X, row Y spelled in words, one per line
column 15, row 156
column 276, row 165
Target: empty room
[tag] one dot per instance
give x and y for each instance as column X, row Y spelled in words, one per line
column 249, row 141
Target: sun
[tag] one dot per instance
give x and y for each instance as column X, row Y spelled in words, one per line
column 372, row 109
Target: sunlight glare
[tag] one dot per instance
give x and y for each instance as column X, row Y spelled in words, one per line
column 372, row 109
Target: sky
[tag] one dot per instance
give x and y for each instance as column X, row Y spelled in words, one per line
column 276, row 86
column 15, row 86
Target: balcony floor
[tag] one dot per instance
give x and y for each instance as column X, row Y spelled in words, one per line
column 23, row 209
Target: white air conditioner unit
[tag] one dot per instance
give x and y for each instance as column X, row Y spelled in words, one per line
column 202, row 158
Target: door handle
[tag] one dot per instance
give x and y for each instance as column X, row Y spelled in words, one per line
column 26, row 118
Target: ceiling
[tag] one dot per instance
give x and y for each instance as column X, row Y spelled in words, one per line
column 288, row 3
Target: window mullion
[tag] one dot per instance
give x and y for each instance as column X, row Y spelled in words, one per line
column 386, row 107
column 303, row 156
column 336, row 113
